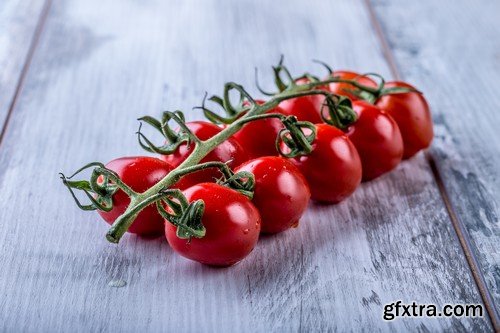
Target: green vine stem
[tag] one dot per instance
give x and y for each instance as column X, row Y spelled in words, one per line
column 187, row 216
column 243, row 181
column 202, row 148
column 371, row 94
column 292, row 136
column 367, row 93
column 105, row 182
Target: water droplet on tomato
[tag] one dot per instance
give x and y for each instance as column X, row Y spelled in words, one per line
column 245, row 231
column 117, row 283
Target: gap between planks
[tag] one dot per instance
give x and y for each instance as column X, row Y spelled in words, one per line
column 458, row 226
column 27, row 63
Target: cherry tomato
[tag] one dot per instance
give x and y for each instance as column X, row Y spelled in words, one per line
column 139, row 173
column 344, row 89
column 258, row 138
column 333, row 168
column 232, row 226
column 411, row 113
column 377, row 139
column 305, row 108
column 229, row 150
column 281, row 192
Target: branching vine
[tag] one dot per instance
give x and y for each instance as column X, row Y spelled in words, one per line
column 297, row 137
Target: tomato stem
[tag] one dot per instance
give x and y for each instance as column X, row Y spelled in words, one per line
column 202, row 148
column 139, row 202
column 242, row 182
column 371, row 94
column 292, row 136
column 100, row 189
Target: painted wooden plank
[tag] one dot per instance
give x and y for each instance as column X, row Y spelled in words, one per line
column 452, row 50
column 18, row 22
column 100, row 65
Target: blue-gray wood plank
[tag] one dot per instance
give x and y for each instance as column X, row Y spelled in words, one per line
column 452, row 50
column 18, row 22
column 98, row 66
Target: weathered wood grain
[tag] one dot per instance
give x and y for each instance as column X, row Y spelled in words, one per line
column 452, row 50
column 101, row 64
column 18, row 22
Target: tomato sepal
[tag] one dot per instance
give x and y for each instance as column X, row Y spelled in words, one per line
column 173, row 139
column 185, row 216
column 292, row 136
column 341, row 114
column 101, row 187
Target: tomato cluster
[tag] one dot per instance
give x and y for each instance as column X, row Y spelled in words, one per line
column 388, row 127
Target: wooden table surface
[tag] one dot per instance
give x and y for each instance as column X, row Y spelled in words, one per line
column 75, row 75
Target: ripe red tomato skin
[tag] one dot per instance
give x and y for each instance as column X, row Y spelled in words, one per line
column 377, row 139
column 341, row 88
column 139, row 173
column 232, row 227
column 281, row 192
column 258, row 138
column 411, row 113
column 229, row 150
column 306, row 108
column 333, row 169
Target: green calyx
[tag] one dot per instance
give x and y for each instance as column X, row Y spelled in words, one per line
column 232, row 110
column 182, row 214
column 340, row 114
column 371, row 94
column 297, row 142
column 173, row 139
column 101, row 187
column 243, row 181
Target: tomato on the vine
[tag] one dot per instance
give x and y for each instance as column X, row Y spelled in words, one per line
column 281, row 192
column 229, row 151
column 139, row 173
column 377, row 139
column 345, row 89
column 305, row 108
column 232, row 226
column 333, row 168
column 411, row 113
column 258, row 137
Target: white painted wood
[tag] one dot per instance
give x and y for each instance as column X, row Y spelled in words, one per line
column 18, row 20
column 452, row 50
column 100, row 65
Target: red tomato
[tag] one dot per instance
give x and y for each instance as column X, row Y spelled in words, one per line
column 411, row 113
column 139, row 173
column 377, row 138
column 306, row 108
column 229, row 150
column 258, row 138
column 281, row 192
column 344, row 88
column 333, row 168
column 232, row 226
